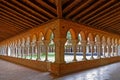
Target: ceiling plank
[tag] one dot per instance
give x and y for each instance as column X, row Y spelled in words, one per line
column 99, row 18
column 107, row 19
column 15, row 19
column 24, row 12
column 71, row 5
column 46, row 5
column 77, row 9
column 88, row 9
column 6, row 18
column 38, row 8
column 98, row 9
column 19, row 18
column 102, row 12
column 35, row 13
column 17, row 13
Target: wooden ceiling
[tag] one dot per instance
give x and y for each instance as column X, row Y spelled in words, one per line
column 17, row 16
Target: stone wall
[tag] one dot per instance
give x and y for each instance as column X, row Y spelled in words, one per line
column 65, row 68
column 38, row 65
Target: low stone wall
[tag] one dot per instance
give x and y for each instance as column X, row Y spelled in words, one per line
column 60, row 69
column 38, row 65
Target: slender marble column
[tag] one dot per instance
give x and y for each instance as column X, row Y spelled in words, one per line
column 98, row 45
column 74, row 44
column 84, row 43
column 46, row 42
column 92, row 49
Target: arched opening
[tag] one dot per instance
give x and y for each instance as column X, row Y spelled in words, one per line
column 41, row 47
column 28, row 48
column 108, row 47
column 33, row 47
column 79, row 48
column 90, row 47
column 68, row 48
column 50, row 46
column 112, row 47
column 97, row 47
column 104, row 47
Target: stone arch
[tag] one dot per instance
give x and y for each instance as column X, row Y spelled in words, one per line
column 48, row 34
column 83, row 36
column 116, row 41
column 28, row 39
column 113, row 40
column 73, row 35
column 103, row 39
column 34, row 38
column 97, row 38
column 90, row 36
column 40, row 36
column 23, row 40
column 108, row 40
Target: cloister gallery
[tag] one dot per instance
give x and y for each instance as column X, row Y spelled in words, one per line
column 61, row 41
column 60, row 36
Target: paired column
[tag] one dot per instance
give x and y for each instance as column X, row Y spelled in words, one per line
column 74, row 44
column 116, row 50
column 46, row 43
column 38, row 50
column 32, row 49
column 84, row 43
column 92, row 49
column 109, row 50
column 98, row 45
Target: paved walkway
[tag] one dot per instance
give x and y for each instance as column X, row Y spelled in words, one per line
column 10, row 71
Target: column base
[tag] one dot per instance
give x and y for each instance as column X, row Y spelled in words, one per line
column 84, row 59
column 74, row 60
column 46, row 60
column 38, row 59
column 92, row 58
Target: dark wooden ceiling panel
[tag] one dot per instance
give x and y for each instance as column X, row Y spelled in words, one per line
column 17, row 16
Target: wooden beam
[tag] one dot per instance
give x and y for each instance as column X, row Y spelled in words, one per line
column 59, row 8
column 35, row 13
column 105, row 11
column 39, row 8
column 107, row 19
column 99, row 18
column 46, row 5
column 24, row 12
column 88, row 9
column 15, row 12
column 80, row 7
column 71, row 5
column 98, row 9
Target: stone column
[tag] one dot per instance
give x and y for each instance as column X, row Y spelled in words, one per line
column 112, row 52
column 74, row 44
column 116, row 50
column 46, row 43
column 98, row 45
column 92, row 49
column 22, row 50
column 59, row 50
column 38, row 50
column 27, row 49
column 109, row 52
column 84, row 43
column 32, row 49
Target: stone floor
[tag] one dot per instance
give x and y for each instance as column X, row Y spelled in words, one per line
column 10, row 71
